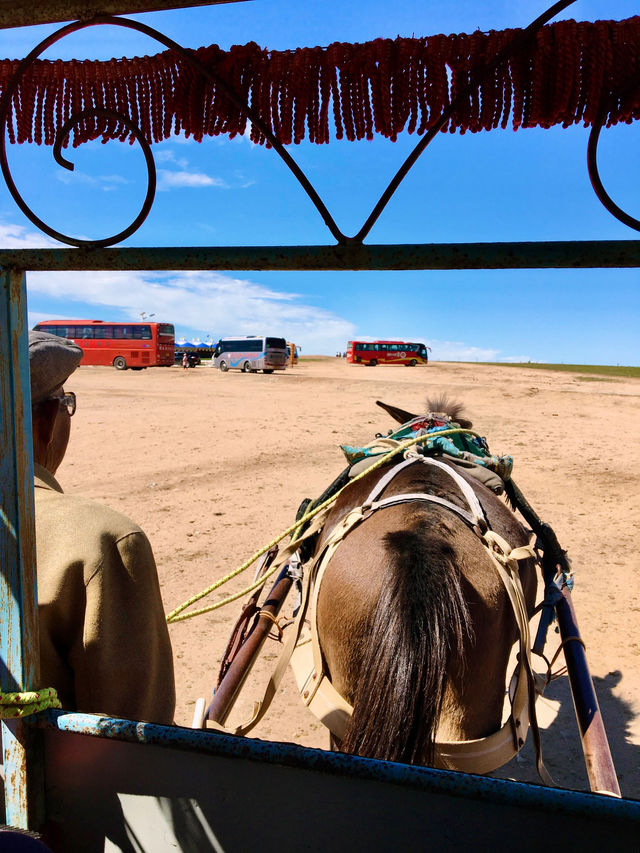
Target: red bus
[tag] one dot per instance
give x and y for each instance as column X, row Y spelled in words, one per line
column 123, row 345
column 387, row 352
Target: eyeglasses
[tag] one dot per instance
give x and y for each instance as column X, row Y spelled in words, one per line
column 68, row 400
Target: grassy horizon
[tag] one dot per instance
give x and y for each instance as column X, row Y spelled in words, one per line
column 622, row 370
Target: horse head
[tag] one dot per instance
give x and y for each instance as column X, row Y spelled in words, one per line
column 442, row 405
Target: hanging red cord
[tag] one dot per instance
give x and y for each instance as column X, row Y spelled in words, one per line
column 562, row 76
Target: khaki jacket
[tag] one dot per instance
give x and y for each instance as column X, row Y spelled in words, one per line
column 104, row 643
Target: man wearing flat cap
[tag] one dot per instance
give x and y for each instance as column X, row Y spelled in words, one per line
column 104, row 643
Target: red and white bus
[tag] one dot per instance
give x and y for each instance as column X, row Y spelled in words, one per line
column 387, row 352
column 123, row 345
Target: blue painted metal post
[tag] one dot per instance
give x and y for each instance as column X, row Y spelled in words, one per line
column 18, row 594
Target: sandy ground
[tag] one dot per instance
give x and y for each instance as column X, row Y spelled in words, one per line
column 213, row 466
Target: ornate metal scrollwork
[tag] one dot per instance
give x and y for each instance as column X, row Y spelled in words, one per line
column 190, row 57
column 60, row 139
column 596, row 182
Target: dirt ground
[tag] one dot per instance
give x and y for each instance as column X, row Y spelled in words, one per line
column 213, row 466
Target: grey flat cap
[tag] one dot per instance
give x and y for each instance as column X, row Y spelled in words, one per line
column 52, row 360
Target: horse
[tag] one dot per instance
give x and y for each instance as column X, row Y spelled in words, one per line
column 415, row 621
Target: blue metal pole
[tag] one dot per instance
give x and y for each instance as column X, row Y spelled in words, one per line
column 18, row 595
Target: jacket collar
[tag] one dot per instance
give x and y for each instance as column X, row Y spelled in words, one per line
column 43, row 479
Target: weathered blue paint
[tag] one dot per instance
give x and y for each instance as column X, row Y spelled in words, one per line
column 16, row 486
column 465, row 786
column 592, row 254
column 18, row 594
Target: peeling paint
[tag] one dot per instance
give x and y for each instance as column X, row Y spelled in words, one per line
column 463, row 785
column 588, row 254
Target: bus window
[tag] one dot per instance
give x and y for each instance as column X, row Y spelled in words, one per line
column 251, row 354
column 121, row 343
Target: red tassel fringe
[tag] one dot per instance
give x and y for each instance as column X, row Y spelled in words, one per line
column 562, row 76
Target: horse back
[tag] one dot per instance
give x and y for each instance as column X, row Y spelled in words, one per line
column 411, row 604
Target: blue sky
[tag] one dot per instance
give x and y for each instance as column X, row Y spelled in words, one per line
column 529, row 185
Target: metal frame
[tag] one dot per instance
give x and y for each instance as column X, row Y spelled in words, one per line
column 188, row 56
column 18, row 649
column 22, row 13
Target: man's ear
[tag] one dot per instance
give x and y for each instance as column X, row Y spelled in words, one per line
column 44, row 417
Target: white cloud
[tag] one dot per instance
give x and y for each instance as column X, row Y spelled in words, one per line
column 206, row 303
column 36, row 317
column 196, row 303
column 458, row 351
column 18, row 237
column 104, row 182
column 165, row 155
column 183, row 176
column 515, row 359
column 168, row 180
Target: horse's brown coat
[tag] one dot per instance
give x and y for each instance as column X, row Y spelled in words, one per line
column 212, row 469
column 468, row 681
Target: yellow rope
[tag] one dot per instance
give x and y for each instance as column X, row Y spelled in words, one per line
column 175, row 616
column 23, row 704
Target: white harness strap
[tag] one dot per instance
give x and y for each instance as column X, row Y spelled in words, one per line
column 481, row 755
column 476, row 517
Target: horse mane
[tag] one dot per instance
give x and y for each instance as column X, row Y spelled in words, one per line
column 419, row 626
column 453, row 408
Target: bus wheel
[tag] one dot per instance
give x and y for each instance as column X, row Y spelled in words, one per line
column 413, row 362
column 224, row 366
column 373, row 363
column 246, row 367
column 119, row 363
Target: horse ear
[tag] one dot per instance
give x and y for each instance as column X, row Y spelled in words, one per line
column 397, row 414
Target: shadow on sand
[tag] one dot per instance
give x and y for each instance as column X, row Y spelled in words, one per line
column 561, row 747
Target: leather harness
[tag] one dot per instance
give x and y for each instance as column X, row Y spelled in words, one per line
column 481, row 755
column 302, row 650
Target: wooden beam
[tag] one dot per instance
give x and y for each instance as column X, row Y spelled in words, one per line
column 19, row 647
column 23, row 13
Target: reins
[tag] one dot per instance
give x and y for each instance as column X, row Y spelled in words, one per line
column 300, row 646
column 294, row 530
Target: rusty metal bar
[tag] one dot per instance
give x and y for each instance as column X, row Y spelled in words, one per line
column 19, row 664
column 23, row 13
column 231, row 685
column 589, row 254
column 621, row 813
column 555, row 564
column 597, row 755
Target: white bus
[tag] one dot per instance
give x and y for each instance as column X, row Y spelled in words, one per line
column 251, row 353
